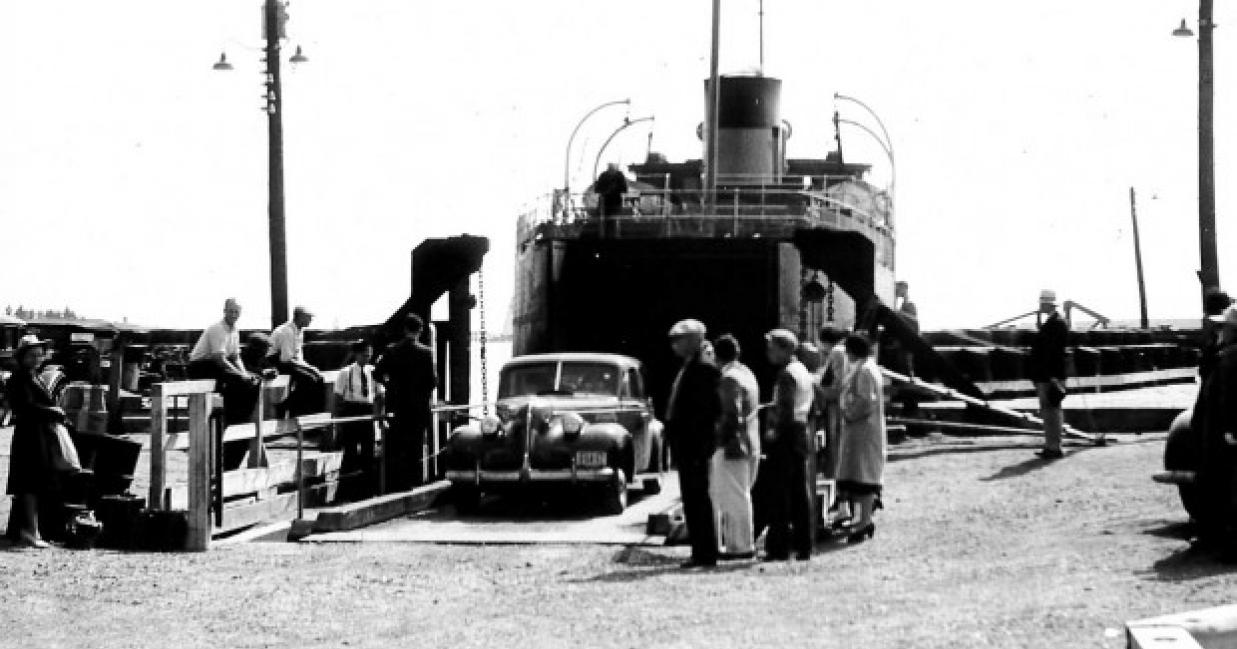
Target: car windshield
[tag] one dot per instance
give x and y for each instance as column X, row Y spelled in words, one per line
column 577, row 378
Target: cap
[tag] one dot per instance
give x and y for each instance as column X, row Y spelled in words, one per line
column 1228, row 317
column 30, row 340
column 303, row 311
column 1048, row 295
column 783, row 338
column 688, row 327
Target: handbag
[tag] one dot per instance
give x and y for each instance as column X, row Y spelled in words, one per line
column 62, row 452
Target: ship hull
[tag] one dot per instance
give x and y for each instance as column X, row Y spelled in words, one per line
column 622, row 296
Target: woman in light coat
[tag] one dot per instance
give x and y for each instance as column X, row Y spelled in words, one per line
column 734, row 463
column 861, row 446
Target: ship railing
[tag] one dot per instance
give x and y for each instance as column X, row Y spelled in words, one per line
column 837, row 209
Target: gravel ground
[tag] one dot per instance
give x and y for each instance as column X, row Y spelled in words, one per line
column 980, row 545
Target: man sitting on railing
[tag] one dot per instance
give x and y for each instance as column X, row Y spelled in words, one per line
column 287, row 345
column 217, row 356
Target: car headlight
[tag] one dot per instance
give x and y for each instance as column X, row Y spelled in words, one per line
column 572, row 423
column 491, row 425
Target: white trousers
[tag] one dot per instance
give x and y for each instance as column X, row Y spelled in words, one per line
column 730, row 488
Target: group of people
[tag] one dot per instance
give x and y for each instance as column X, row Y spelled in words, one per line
column 403, row 380
column 713, row 425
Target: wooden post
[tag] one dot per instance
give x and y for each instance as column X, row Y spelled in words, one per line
column 200, row 470
column 158, row 429
column 300, row 470
column 256, row 445
column 113, row 379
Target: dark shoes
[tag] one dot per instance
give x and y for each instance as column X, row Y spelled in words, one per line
column 860, row 534
column 1050, row 453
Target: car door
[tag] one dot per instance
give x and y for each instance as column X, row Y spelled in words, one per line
column 635, row 415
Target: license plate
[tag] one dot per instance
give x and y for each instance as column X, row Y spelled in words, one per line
column 590, row 459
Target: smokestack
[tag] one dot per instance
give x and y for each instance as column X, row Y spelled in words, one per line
column 750, row 135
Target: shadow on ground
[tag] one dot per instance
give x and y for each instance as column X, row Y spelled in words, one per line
column 638, row 564
column 1194, row 561
column 1032, row 464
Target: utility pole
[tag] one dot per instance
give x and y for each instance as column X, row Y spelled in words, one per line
column 274, row 15
column 710, row 138
column 1138, row 263
column 1209, row 271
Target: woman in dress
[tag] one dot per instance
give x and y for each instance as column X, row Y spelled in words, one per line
column 861, row 446
column 32, row 474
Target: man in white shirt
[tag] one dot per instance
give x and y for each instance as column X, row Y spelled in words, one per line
column 287, row 346
column 356, row 392
column 217, row 356
column 788, row 448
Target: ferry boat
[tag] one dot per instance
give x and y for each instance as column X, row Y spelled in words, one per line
column 779, row 242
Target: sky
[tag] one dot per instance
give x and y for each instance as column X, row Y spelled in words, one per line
column 133, row 177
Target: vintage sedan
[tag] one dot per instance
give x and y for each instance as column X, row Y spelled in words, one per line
column 565, row 422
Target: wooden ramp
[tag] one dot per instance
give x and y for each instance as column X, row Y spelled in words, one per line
column 505, row 521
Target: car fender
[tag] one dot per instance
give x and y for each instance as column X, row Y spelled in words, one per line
column 464, row 439
column 615, row 438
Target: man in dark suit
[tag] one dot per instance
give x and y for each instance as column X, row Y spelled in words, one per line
column 1047, row 372
column 610, row 187
column 406, row 369
column 692, row 413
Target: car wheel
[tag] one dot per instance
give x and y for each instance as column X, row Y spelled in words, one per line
column 614, row 500
column 1181, row 453
column 467, row 498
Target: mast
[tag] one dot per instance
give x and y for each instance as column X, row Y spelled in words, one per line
column 761, row 13
column 1138, row 263
column 1209, row 271
column 715, row 91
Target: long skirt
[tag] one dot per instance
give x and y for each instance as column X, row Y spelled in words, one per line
column 730, row 489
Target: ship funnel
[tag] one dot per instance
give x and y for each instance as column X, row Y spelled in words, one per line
column 751, row 138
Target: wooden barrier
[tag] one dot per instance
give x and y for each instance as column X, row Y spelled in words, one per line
column 208, row 487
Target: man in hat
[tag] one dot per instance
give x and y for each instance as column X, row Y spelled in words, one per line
column 305, row 391
column 1047, row 372
column 217, row 355
column 1218, row 422
column 788, row 450
column 1215, row 301
column 610, row 187
column 692, row 414
column 406, row 368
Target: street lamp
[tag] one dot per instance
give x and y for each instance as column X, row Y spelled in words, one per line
column 572, row 139
column 883, row 139
column 1209, row 268
column 627, row 122
column 275, row 16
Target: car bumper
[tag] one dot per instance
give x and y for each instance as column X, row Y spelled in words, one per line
column 483, row 476
column 1175, row 477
